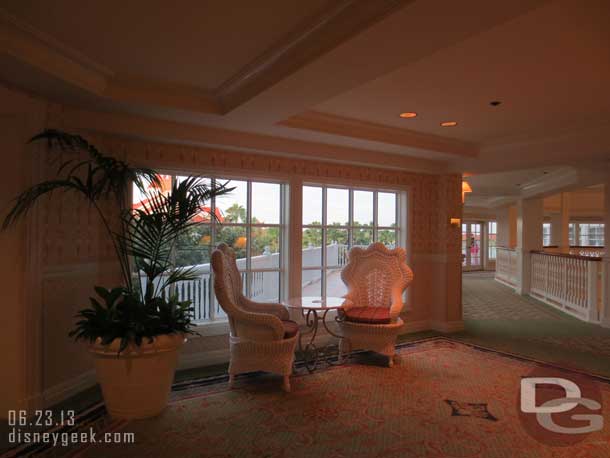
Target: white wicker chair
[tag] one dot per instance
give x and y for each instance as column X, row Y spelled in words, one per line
column 376, row 278
column 262, row 337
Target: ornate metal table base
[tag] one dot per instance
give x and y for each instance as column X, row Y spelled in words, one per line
column 311, row 354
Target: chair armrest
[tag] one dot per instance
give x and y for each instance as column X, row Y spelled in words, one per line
column 348, row 301
column 397, row 304
column 258, row 326
column 277, row 310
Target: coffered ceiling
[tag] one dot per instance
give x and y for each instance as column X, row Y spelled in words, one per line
column 328, row 78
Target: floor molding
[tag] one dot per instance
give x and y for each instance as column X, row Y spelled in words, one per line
column 447, row 326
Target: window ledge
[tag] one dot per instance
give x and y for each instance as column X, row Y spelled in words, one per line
column 211, row 328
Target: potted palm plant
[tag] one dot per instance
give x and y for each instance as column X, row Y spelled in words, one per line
column 135, row 330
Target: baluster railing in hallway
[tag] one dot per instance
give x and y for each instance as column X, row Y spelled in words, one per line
column 506, row 266
column 569, row 282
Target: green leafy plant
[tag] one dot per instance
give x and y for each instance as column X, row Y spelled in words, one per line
column 143, row 239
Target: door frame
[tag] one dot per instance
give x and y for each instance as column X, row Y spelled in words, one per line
column 467, row 265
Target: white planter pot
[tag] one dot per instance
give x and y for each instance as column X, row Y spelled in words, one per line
column 137, row 383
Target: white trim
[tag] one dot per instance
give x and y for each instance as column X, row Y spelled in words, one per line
column 447, row 326
column 210, row 328
column 68, row 388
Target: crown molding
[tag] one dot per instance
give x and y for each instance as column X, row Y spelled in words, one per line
column 314, row 37
column 173, row 132
column 355, row 128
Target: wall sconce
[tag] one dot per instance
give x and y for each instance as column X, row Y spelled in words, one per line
column 455, row 222
column 465, row 188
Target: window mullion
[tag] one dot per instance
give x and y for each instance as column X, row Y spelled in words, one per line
column 210, row 292
column 248, row 238
column 375, row 218
column 323, row 242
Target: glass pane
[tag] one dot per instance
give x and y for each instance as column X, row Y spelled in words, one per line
column 475, row 244
column 464, row 243
column 312, row 247
column 336, row 247
column 265, row 247
column 311, row 284
column 198, row 292
column 265, row 286
column 387, row 237
column 265, row 203
column 139, row 199
column 235, row 237
column 334, row 285
column 232, row 207
column 363, row 237
column 363, row 208
column 312, row 205
column 337, row 207
column 386, row 209
column 194, row 247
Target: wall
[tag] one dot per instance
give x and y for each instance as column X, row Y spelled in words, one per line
column 73, row 254
column 20, row 116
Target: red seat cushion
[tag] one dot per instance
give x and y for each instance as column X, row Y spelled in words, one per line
column 290, row 328
column 370, row 315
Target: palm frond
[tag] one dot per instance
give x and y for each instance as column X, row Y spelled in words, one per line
column 25, row 201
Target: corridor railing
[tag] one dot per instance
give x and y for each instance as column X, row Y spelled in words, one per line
column 571, row 283
column 506, row 265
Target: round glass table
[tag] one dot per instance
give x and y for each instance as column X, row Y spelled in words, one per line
column 314, row 309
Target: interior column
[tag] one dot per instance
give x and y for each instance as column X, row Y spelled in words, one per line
column 530, row 215
column 564, row 240
column 605, row 313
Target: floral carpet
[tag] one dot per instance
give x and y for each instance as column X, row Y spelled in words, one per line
column 441, row 399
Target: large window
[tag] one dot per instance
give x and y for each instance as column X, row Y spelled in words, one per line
column 546, row 234
column 337, row 219
column 590, row 234
column 492, row 234
column 250, row 220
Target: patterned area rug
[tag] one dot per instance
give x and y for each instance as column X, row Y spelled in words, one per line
column 441, row 399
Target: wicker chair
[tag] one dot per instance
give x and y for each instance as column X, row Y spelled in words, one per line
column 376, row 278
column 262, row 337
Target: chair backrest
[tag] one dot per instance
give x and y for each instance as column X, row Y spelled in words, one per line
column 227, row 279
column 373, row 274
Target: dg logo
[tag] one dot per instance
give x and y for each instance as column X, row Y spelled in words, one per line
column 560, row 408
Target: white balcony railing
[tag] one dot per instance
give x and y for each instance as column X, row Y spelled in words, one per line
column 506, row 266
column 568, row 282
column 263, row 283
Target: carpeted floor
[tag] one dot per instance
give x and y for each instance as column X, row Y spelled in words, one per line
column 496, row 317
column 442, row 399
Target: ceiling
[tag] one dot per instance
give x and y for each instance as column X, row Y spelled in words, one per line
column 328, row 78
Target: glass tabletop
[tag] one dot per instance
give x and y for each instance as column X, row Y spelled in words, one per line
column 314, row 302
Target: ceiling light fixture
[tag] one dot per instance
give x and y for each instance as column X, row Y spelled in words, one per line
column 448, row 123
column 408, row 114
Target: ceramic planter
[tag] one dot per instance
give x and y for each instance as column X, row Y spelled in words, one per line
column 137, row 383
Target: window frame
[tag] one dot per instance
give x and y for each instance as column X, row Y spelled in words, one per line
column 218, row 325
column 400, row 228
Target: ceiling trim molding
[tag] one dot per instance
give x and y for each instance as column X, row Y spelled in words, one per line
column 355, row 128
column 314, row 37
column 200, row 135
column 43, row 52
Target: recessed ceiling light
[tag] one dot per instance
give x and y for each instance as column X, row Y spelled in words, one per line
column 448, row 123
column 408, row 114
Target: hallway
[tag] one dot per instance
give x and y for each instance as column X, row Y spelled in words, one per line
column 496, row 317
